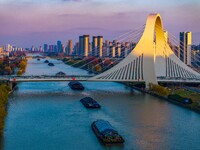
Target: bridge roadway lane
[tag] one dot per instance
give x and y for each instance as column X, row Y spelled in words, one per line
column 48, row 78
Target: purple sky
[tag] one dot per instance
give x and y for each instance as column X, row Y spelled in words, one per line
column 32, row 22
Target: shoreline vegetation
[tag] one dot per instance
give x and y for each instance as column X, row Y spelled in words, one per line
column 22, row 67
column 4, row 93
column 10, row 65
column 178, row 95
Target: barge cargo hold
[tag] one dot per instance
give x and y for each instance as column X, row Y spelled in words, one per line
column 89, row 102
column 75, row 85
column 106, row 133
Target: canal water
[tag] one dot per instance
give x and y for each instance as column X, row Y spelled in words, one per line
column 49, row 116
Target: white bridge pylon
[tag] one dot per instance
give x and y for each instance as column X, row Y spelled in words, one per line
column 151, row 58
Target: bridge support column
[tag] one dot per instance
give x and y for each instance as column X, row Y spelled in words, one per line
column 10, row 84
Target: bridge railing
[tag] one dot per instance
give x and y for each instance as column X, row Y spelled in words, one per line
column 177, row 78
column 44, row 76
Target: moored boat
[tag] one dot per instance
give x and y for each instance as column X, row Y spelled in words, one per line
column 46, row 61
column 75, row 85
column 60, row 74
column 50, row 64
column 106, row 133
column 89, row 102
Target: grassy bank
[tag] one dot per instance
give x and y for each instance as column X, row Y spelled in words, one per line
column 4, row 91
column 189, row 94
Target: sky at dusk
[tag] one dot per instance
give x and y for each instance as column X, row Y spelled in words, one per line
column 34, row 22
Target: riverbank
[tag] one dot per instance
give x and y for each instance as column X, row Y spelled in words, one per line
column 4, row 93
column 180, row 91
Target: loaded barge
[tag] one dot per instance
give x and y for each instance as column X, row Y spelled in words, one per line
column 89, row 102
column 106, row 133
column 75, row 85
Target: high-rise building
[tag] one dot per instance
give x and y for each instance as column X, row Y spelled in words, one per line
column 69, row 48
column 32, row 49
column 59, row 47
column 90, row 49
column 106, row 48
column 118, row 50
column 84, row 45
column 127, row 49
column 51, row 48
column 1, row 49
column 100, row 46
column 8, row 48
column 185, row 47
column 115, row 42
column 63, row 48
column 40, row 49
column 112, row 52
column 94, row 45
column 80, row 52
column 86, row 42
column 55, row 48
column 76, row 49
column 45, row 48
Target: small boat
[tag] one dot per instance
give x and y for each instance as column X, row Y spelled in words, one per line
column 46, row 61
column 89, row 102
column 60, row 74
column 50, row 64
column 106, row 133
column 75, row 85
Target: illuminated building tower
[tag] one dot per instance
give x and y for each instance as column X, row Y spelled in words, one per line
column 185, row 47
column 112, row 51
column 86, row 41
column 69, row 48
column 8, row 48
column 118, row 50
column 94, row 45
column 90, row 49
column 100, row 46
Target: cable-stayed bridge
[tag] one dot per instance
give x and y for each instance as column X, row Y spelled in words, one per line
column 151, row 60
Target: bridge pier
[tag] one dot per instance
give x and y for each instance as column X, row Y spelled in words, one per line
column 10, row 84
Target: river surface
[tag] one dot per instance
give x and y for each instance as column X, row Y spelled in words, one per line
column 49, row 116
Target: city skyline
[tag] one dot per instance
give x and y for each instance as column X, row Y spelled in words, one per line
column 34, row 23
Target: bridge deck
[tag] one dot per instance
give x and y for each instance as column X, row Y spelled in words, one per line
column 49, row 78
